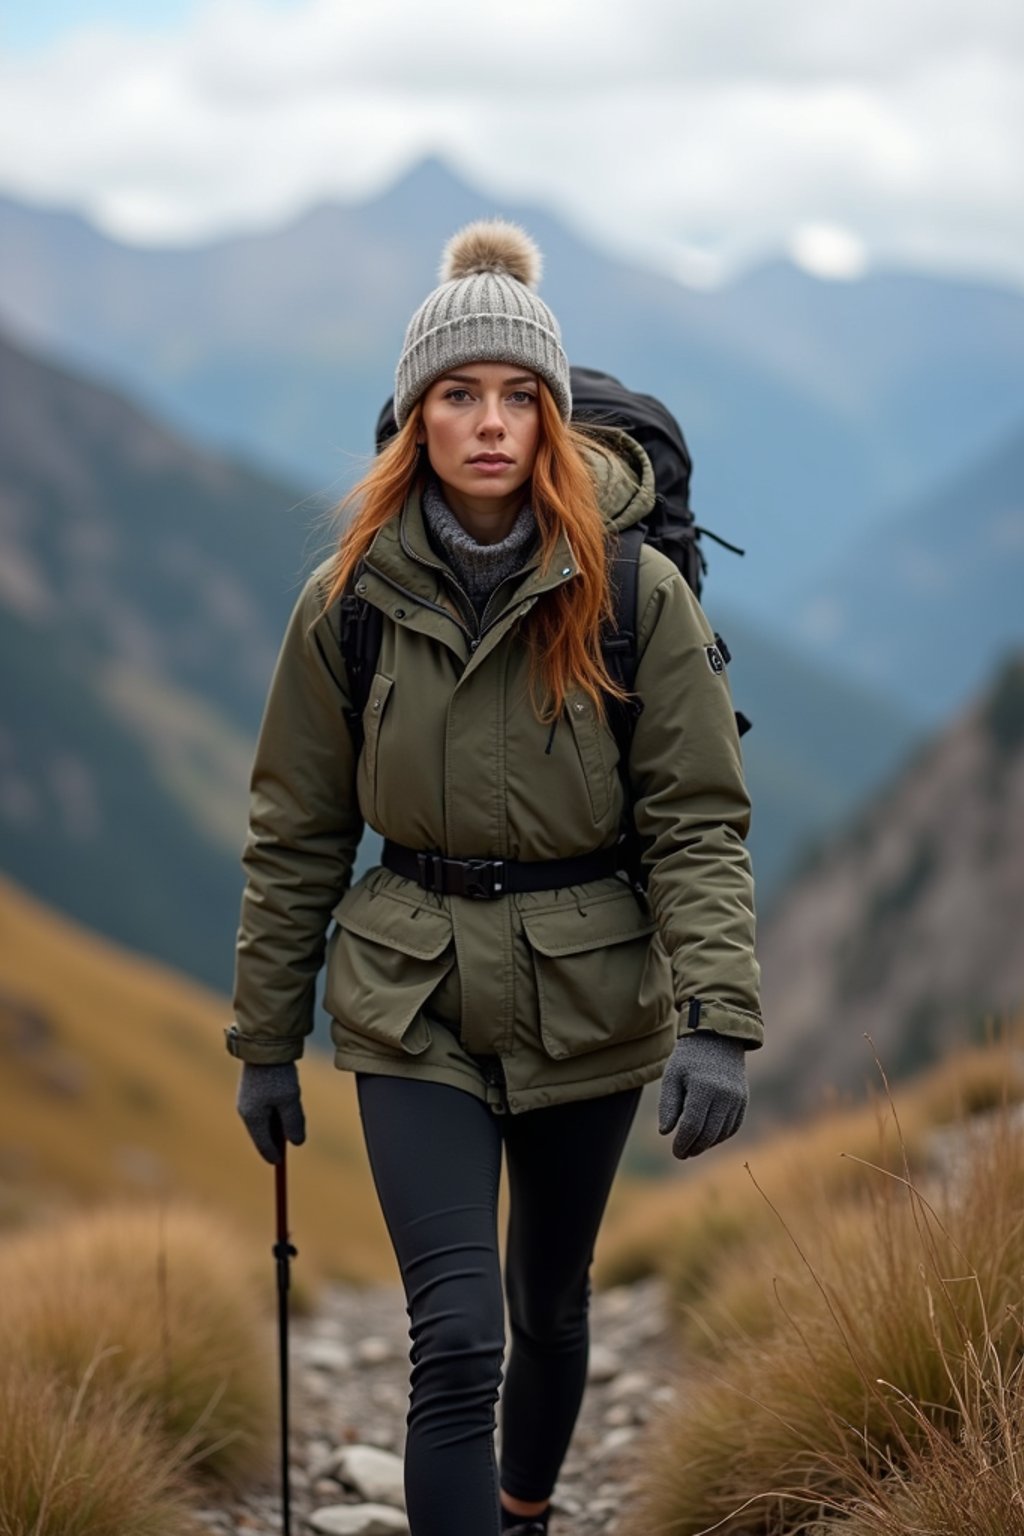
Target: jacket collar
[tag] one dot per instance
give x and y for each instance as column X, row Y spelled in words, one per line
column 401, row 552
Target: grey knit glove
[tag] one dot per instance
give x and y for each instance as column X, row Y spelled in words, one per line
column 264, row 1089
column 705, row 1081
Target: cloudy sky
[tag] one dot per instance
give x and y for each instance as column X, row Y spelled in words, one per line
column 697, row 135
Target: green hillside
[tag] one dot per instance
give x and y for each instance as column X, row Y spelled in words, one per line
column 88, row 810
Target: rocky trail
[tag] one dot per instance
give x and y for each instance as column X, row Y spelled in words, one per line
column 349, row 1396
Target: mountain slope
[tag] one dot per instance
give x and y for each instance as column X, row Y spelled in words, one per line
column 818, row 746
column 88, row 819
column 116, row 1080
column 143, row 589
column 925, row 612
column 906, row 926
column 137, row 545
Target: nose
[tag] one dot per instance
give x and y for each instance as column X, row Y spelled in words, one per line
column 491, row 422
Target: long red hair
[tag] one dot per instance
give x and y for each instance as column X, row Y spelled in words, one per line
column 562, row 629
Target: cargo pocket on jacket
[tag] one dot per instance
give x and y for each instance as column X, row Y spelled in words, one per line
column 603, row 976
column 384, row 959
column 369, row 758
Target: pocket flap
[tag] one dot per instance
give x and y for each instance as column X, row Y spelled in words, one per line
column 422, row 931
column 565, row 930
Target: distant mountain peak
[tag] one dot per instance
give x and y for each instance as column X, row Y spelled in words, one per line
column 432, row 174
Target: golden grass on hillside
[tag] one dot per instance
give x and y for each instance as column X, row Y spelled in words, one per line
column 116, row 1081
column 879, row 1306
column 167, row 1301
column 77, row 1464
column 686, row 1227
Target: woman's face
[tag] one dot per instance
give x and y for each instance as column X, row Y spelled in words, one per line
column 481, row 425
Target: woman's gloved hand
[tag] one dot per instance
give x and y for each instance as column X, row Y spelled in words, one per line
column 261, row 1091
column 705, row 1081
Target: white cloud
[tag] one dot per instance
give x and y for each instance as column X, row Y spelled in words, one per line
column 698, row 134
column 829, row 252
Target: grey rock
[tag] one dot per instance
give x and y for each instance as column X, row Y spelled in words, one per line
column 617, row 1301
column 376, row 1475
column 327, row 1355
column 616, row 1439
column 359, row 1520
column 603, row 1364
column 317, row 1452
column 374, row 1350
column 630, row 1384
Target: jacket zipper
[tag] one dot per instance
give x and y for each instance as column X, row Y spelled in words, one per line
column 445, row 570
column 414, row 597
column 432, row 565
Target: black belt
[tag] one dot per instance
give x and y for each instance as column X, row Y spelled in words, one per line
column 488, row 878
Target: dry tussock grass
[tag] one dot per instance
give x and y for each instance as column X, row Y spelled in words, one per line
column 973, row 1482
column 886, row 1339
column 163, row 1300
column 84, row 1465
column 686, row 1227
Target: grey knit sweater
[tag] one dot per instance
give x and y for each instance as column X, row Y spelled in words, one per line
column 478, row 567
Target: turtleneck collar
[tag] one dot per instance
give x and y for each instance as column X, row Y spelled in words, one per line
column 479, row 567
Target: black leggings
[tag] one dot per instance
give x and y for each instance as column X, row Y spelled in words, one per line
column 435, row 1156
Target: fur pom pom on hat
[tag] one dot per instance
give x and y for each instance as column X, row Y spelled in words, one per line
column 492, row 245
column 485, row 310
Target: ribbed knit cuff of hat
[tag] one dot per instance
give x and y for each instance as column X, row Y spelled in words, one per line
column 479, row 567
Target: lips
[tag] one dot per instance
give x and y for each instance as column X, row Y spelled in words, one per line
column 490, row 458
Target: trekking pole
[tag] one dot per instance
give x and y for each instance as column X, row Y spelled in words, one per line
column 283, row 1252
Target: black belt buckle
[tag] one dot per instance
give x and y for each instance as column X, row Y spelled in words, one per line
column 430, row 871
column 474, row 878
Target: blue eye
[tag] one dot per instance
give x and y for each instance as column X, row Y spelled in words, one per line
column 450, row 393
column 523, row 396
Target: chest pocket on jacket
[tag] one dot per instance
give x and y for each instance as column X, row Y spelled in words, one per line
column 373, row 716
column 596, row 766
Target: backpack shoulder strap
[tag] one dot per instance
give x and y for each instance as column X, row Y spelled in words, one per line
column 619, row 640
column 360, row 626
column 619, row 650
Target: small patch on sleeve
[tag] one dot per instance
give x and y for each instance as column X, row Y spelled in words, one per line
column 716, row 661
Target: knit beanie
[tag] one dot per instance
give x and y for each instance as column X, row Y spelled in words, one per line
column 485, row 310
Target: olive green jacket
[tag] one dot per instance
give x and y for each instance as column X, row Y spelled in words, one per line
column 530, row 998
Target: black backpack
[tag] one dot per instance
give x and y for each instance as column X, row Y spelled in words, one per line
column 600, row 400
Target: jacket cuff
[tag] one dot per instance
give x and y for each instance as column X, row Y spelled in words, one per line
column 264, row 1050
column 706, row 1013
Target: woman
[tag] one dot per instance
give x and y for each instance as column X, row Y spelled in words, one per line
column 494, row 982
